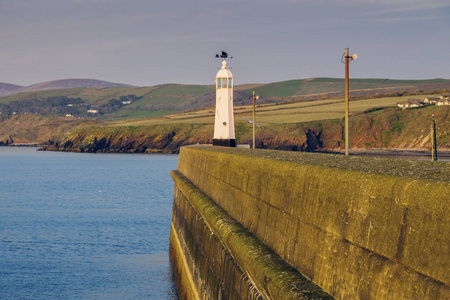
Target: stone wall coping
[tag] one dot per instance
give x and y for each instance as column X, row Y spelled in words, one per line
column 436, row 171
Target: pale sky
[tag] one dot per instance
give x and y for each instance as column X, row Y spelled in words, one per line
column 150, row 42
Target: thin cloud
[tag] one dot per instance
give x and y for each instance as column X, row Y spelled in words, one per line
column 406, row 5
column 406, row 19
column 93, row 1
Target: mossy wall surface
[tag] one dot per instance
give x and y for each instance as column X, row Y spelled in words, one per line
column 360, row 228
column 203, row 269
column 222, row 258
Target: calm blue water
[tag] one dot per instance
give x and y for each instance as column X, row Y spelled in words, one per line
column 85, row 226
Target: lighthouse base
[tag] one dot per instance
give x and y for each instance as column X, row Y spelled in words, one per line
column 224, row 142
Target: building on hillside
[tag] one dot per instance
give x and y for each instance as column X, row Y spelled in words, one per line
column 69, row 116
column 410, row 103
column 443, row 102
column 126, row 102
column 445, row 96
column 431, row 100
column 93, row 111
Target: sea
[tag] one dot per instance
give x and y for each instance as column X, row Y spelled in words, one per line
column 85, row 226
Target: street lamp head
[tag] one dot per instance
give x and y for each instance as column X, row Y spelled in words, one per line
column 345, row 58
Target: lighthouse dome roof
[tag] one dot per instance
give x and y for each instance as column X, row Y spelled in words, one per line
column 224, row 72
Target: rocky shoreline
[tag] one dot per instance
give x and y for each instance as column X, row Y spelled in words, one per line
column 382, row 152
column 413, row 153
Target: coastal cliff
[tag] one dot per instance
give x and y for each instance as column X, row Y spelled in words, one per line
column 390, row 128
column 387, row 128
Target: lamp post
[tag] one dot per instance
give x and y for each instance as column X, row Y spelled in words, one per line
column 433, row 140
column 253, row 123
column 347, row 59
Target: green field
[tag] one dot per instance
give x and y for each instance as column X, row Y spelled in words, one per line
column 267, row 114
column 91, row 95
column 141, row 114
column 183, row 90
column 149, row 100
column 277, row 89
column 315, row 110
column 329, row 85
column 102, row 95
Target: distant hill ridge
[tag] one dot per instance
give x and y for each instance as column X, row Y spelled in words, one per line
column 8, row 87
column 289, row 88
column 61, row 84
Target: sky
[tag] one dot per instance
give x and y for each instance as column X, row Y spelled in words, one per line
column 151, row 42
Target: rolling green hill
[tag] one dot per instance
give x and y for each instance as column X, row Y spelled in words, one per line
column 336, row 85
column 144, row 102
column 100, row 95
column 64, row 84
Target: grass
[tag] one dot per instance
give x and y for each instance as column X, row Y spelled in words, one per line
column 338, row 86
column 139, row 114
column 183, row 90
column 92, row 95
column 328, row 85
column 277, row 89
column 102, row 95
column 171, row 93
column 267, row 114
column 147, row 100
column 379, row 80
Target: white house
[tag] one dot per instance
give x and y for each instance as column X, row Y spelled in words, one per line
column 442, row 102
column 410, row 103
column 431, row 100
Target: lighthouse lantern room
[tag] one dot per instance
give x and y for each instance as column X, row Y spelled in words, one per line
column 224, row 119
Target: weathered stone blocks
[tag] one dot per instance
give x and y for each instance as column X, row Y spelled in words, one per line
column 361, row 228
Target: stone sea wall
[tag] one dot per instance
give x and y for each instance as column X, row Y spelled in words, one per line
column 259, row 224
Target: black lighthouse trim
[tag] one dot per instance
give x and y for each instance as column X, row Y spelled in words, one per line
column 224, row 142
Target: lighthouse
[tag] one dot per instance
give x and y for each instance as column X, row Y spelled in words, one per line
column 224, row 119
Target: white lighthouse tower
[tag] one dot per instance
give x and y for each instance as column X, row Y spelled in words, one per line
column 224, row 121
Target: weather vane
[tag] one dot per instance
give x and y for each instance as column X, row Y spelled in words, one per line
column 224, row 55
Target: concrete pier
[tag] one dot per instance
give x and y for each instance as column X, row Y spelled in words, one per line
column 258, row 224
